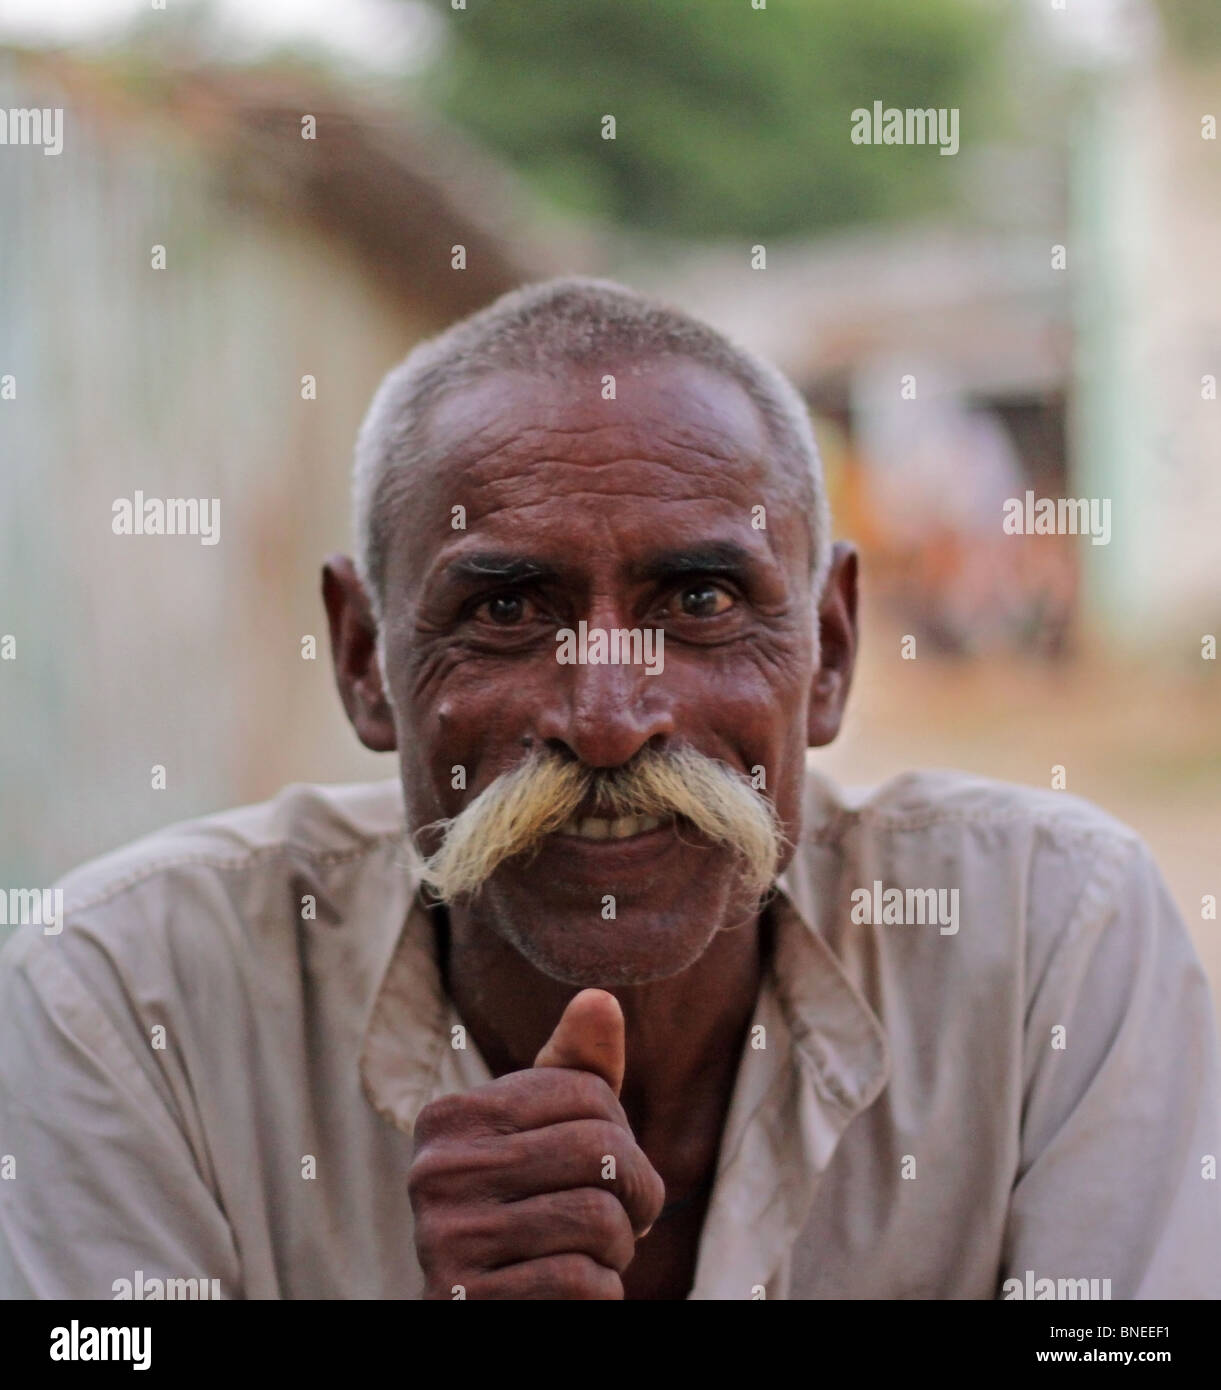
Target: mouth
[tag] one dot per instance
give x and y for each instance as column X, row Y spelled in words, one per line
column 612, row 828
column 624, row 850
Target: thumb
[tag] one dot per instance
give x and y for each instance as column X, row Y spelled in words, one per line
column 588, row 1037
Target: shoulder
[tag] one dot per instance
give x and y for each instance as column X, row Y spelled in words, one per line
column 1028, row 867
column 208, row 889
column 916, row 802
column 320, row 824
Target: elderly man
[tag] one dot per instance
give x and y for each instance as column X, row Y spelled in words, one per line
column 608, row 995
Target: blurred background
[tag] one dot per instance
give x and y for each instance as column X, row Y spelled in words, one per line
column 1054, row 289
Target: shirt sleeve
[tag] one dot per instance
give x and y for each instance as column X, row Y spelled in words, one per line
column 97, row 1180
column 1117, row 1178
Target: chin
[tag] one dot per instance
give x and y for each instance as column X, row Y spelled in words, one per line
column 657, row 932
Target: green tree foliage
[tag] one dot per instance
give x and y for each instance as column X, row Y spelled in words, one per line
column 730, row 120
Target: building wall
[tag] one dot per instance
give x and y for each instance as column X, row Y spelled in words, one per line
column 136, row 651
column 1148, row 310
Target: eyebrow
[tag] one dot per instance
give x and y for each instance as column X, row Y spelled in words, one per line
column 725, row 558
column 505, row 569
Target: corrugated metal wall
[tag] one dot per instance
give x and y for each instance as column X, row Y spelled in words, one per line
column 185, row 382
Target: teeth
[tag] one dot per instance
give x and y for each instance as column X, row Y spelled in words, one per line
column 599, row 828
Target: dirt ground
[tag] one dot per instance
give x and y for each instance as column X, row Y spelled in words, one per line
column 1141, row 741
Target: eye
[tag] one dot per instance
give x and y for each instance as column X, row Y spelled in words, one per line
column 704, row 600
column 504, row 610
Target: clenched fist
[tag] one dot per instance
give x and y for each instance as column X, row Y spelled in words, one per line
column 507, row 1182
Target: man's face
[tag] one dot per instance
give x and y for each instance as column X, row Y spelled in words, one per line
column 658, row 510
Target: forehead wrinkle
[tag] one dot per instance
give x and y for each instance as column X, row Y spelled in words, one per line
column 524, row 451
column 762, row 546
column 689, row 486
column 641, row 426
column 516, row 458
column 492, row 431
column 463, row 446
column 513, row 461
column 694, row 441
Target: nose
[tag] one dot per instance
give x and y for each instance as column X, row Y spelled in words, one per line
column 605, row 714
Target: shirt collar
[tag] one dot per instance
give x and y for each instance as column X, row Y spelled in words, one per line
column 415, row 1045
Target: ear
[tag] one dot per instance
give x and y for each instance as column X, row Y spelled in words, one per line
column 838, row 636
column 354, row 655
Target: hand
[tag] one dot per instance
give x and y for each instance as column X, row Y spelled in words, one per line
column 507, row 1182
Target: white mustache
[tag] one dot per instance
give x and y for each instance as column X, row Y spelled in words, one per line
column 534, row 799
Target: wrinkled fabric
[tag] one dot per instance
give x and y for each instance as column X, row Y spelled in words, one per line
column 213, row 1071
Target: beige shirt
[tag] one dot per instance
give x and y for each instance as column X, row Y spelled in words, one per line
column 200, row 1079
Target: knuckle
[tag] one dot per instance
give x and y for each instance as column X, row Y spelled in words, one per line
column 430, row 1238
column 438, row 1117
column 594, row 1096
column 643, row 1191
column 602, row 1137
column 655, row 1191
column 455, row 1243
column 601, row 1212
column 581, row 1276
column 603, row 1218
column 432, row 1176
column 422, row 1175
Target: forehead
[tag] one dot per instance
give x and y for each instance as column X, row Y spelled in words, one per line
column 655, row 403
column 531, row 458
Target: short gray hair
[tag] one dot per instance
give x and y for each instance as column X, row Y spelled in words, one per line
column 543, row 327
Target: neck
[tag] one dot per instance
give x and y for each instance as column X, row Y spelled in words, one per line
column 684, row 1035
